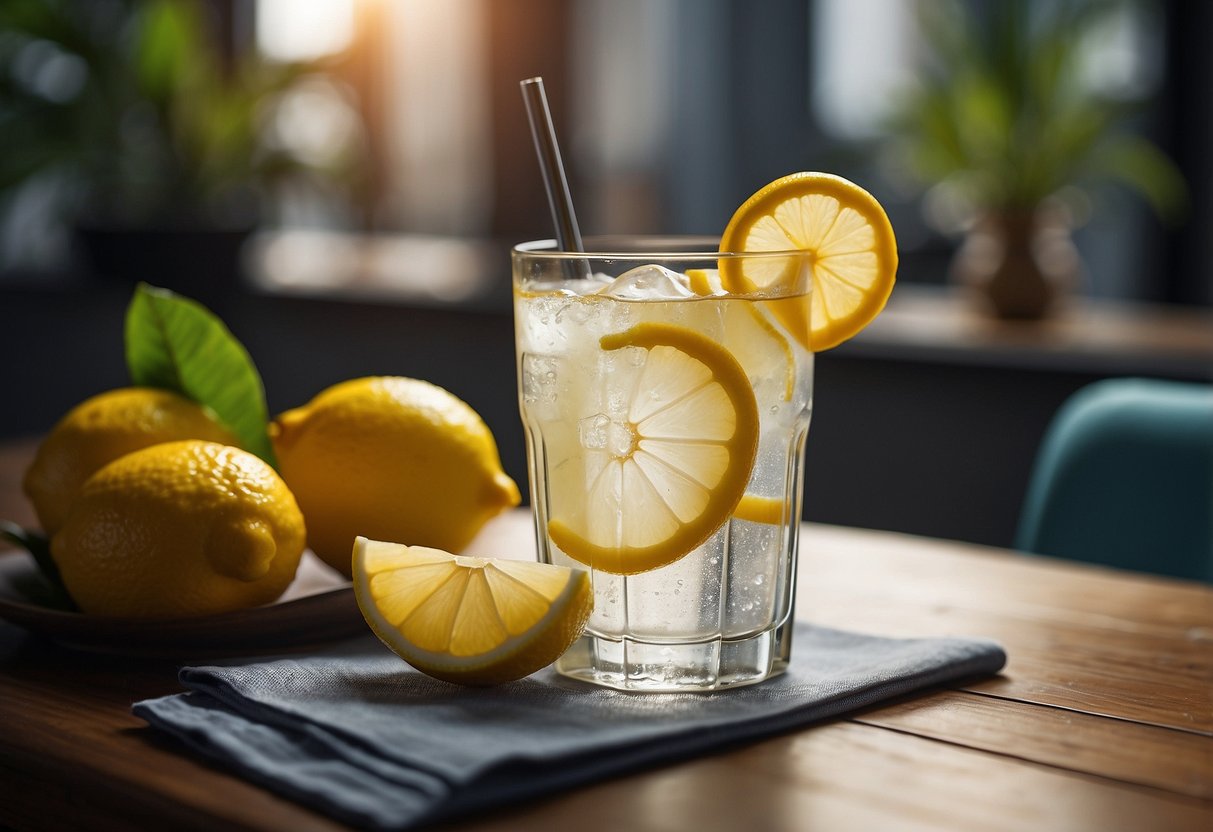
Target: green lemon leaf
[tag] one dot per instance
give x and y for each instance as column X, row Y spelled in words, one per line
column 51, row 592
column 177, row 344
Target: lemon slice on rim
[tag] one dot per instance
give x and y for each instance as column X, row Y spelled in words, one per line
column 474, row 621
column 851, row 250
column 679, row 457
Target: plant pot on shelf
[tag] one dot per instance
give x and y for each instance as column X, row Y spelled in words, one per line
column 1019, row 266
column 203, row 263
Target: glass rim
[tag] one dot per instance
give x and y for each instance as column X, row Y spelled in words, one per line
column 663, row 247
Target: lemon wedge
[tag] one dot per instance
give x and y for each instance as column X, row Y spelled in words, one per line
column 473, row 621
column 677, row 463
column 849, row 244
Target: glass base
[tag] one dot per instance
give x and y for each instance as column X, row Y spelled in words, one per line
column 680, row 667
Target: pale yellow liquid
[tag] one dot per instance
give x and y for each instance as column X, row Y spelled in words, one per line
column 735, row 586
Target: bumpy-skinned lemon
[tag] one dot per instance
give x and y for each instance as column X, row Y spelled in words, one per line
column 473, row 621
column 103, row 428
column 180, row 529
column 393, row 459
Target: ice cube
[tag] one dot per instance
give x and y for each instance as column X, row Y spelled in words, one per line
column 649, row 283
column 593, row 431
column 539, row 377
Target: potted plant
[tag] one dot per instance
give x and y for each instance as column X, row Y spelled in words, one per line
column 1002, row 126
column 158, row 148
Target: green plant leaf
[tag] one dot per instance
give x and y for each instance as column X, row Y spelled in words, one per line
column 177, row 344
column 1001, row 104
column 1138, row 164
column 168, row 46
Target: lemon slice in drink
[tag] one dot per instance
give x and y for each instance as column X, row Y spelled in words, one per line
column 756, row 509
column 754, row 341
column 762, row 350
column 849, row 243
column 473, row 621
column 678, row 460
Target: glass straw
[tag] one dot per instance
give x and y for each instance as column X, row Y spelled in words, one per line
column 568, row 236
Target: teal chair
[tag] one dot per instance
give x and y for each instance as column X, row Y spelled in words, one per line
column 1124, row 477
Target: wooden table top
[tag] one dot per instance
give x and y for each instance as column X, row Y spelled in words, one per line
column 1102, row 719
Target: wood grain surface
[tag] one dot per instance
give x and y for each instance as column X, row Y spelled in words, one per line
column 1102, row 719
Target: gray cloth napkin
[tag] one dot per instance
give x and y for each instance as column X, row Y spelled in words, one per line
column 360, row 735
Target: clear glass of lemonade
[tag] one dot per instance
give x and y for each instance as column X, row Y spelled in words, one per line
column 666, row 419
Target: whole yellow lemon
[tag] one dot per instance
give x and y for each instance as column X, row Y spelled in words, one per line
column 103, row 428
column 390, row 458
column 179, row 529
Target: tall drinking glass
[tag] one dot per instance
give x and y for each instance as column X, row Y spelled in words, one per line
column 666, row 410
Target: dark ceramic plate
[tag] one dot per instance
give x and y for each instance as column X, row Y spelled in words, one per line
column 318, row 606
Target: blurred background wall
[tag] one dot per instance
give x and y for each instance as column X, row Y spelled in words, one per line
column 341, row 180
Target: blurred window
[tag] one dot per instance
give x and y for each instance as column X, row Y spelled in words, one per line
column 851, row 87
column 437, row 124
column 303, row 30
